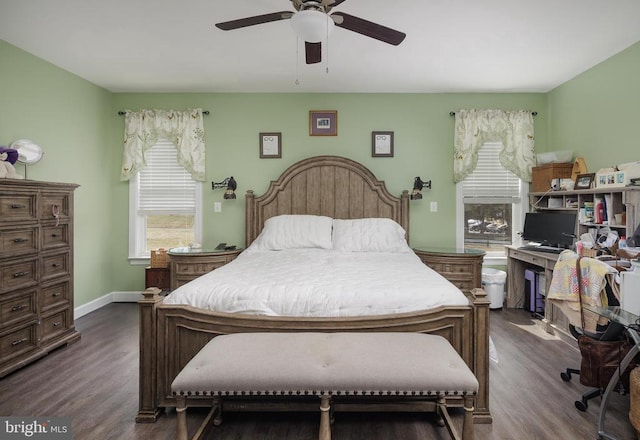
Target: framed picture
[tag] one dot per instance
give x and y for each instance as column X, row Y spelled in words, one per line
column 323, row 123
column 382, row 143
column 270, row 145
column 584, row 181
column 609, row 178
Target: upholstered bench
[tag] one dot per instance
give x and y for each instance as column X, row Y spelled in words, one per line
column 329, row 366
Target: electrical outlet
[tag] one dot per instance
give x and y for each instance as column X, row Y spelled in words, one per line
column 217, row 207
column 433, row 206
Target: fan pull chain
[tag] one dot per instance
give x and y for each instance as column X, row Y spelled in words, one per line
column 297, row 81
column 327, row 23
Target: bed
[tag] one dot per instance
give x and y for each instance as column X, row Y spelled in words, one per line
column 340, row 189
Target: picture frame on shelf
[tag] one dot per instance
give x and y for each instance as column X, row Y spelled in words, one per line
column 271, row 145
column 584, row 181
column 382, row 143
column 323, row 123
column 609, row 178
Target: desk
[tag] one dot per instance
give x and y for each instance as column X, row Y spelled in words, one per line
column 519, row 260
column 616, row 314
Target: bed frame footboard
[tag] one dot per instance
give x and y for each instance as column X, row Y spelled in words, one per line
column 171, row 335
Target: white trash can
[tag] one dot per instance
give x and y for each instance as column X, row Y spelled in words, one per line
column 493, row 281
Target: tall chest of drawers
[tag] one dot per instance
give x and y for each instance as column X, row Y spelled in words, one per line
column 36, row 270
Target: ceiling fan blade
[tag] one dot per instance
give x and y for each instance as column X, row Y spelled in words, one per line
column 252, row 21
column 368, row 28
column 313, row 52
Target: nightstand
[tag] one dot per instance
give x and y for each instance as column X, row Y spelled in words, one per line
column 463, row 267
column 187, row 264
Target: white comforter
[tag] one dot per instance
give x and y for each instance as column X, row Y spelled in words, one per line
column 319, row 283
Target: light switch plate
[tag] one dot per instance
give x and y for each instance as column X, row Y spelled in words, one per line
column 433, row 206
column 217, row 207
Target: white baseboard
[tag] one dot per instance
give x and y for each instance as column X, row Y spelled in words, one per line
column 109, row 298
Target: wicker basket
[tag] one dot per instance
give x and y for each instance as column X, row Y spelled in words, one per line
column 542, row 176
column 589, row 252
column 159, row 258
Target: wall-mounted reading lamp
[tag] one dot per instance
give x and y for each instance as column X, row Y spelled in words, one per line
column 230, row 184
column 418, row 184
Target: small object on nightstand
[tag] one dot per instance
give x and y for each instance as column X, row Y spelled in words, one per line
column 221, row 246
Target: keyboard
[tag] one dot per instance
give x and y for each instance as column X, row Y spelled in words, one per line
column 540, row 248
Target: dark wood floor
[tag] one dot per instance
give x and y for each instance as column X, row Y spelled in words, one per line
column 95, row 382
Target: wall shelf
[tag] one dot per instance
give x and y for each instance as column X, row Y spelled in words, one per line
column 619, row 200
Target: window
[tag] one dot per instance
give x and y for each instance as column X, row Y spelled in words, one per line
column 165, row 204
column 491, row 205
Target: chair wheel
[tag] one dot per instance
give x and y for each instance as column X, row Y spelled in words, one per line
column 565, row 376
column 581, row 405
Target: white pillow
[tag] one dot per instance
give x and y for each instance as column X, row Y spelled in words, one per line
column 295, row 232
column 369, row 235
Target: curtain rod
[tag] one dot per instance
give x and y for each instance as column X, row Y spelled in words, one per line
column 454, row 113
column 122, row 113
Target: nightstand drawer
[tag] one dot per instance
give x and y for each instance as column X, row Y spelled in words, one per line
column 186, row 266
column 451, row 269
column 15, row 309
column 198, row 269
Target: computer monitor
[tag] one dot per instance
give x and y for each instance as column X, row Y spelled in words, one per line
column 555, row 229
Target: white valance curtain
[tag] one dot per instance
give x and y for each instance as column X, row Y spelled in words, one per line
column 514, row 129
column 184, row 129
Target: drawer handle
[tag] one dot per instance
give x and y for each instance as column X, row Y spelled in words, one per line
column 57, row 324
column 20, row 274
column 55, row 265
column 16, row 206
column 54, row 235
column 18, row 307
column 20, row 240
column 56, row 294
column 19, row 341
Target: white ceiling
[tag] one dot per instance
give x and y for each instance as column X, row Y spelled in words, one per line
column 451, row 45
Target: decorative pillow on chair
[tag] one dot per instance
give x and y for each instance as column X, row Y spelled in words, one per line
column 369, row 235
column 295, row 232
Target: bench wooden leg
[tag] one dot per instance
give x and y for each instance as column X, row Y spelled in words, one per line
column 325, row 418
column 181, row 411
column 467, row 422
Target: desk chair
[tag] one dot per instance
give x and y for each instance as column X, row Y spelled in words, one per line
column 601, row 287
column 611, row 332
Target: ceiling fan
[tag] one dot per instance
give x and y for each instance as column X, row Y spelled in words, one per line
column 312, row 23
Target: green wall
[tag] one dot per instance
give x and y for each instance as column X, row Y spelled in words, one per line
column 597, row 113
column 77, row 124
column 423, row 144
column 69, row 118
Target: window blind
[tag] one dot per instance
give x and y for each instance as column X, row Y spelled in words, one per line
column 165, row 187
column 490, row 182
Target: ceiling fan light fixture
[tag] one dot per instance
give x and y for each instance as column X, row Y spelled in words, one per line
column 311, row 25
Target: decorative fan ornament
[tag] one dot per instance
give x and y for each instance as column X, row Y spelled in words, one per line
column 312, row 23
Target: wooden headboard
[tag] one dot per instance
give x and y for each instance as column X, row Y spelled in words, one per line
column 325, row 185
